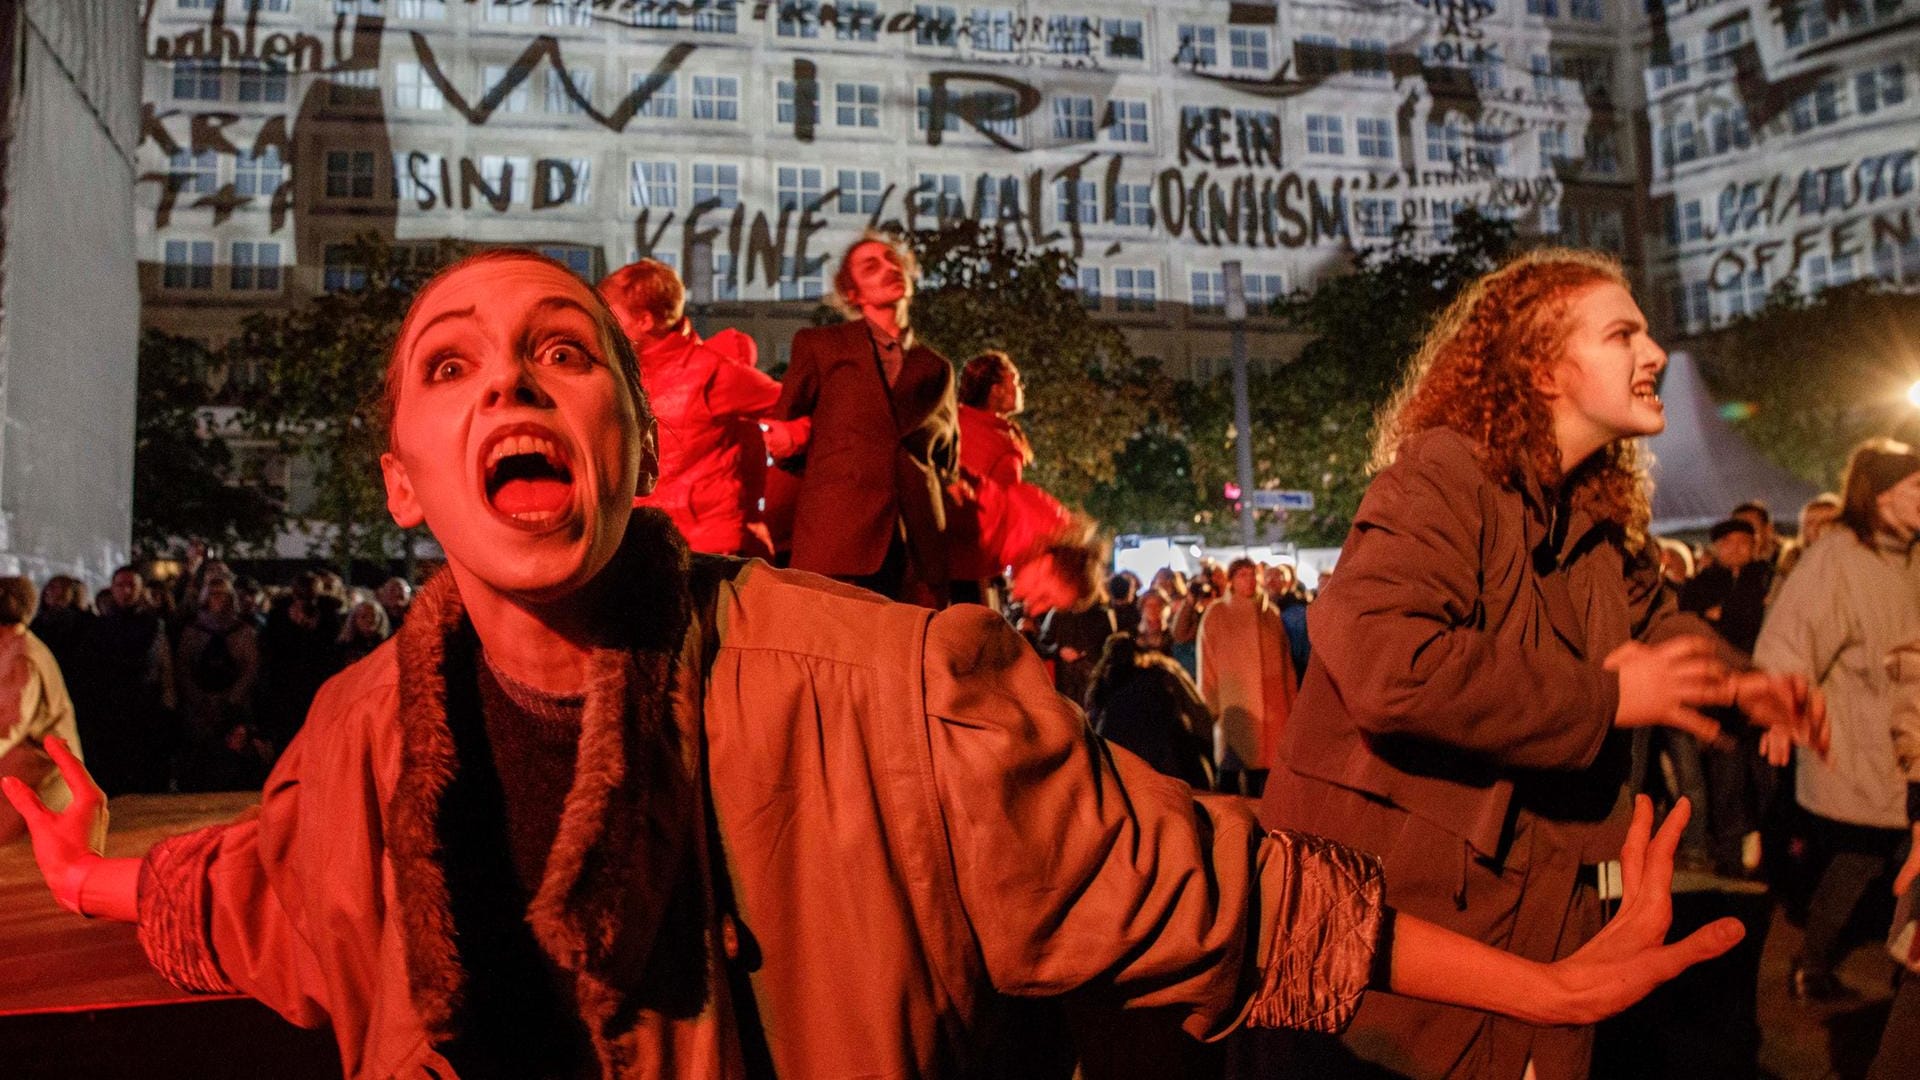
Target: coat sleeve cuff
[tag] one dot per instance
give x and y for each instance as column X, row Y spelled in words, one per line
column 1326, row 917
column 175, row 912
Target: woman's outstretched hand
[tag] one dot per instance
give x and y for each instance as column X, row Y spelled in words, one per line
column 1667, row 685
column 1630, row 956
column 1788, row 706
column 71, row 844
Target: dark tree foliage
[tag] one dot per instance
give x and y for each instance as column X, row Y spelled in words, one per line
column 1815, row 377
column 1313, row 416
column 1087, row 395
column 185, row 481
column 322, row 365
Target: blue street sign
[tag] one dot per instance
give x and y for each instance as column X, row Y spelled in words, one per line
column 1268, row 499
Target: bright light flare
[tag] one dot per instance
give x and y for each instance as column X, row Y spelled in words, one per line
column 1913, row 395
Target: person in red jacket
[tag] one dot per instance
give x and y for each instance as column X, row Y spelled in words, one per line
column 712, row 405
column 1003, row 520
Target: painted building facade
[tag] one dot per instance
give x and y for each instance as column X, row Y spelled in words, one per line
column 748, row 143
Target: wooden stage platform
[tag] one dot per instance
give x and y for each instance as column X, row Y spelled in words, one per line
column 77, row 999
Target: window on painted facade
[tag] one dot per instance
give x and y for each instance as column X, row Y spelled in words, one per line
column 1553, row 147
column 798, row 282
column 1588, row 10
column 564, row 103
column 1249, row 49
column 415, row 174
column 508, row 174
column 1324, row 135
column 341, row 269
column 575, row 257
column 1126, row 121
column 1199, row 46
column 859, row 20
column 1883, row 86
column 1316, row 56
column 664, row 102
column 264, row 84
column 349, row 174
column 580, row 171
column 1125, row 39
column 717, row 17
column 1367, row 58
column 1375, row 219
column 1547, row 8
column 254, row 265
column 275, row 7
column 507, row 11
column 653, row 183
column 997, row 197
column 1728, row 130
column 258, row 174
column 923, row 112
column 798, row 187
column 1806, row 23
column 187, row 264
column 1446, row 143
column 726, row 281
column 716, row 97
column 1076, row 201
column 856, row 105
column 798, row 19
column 357, row 87
column 860, row 190
column 1721, row 44
column 1133, row 204
column 1679, row 143
column 999, row 113
column 1670, row 66
column 786, row 104
column 1262, row 290
column 716, row 182
column 1207, row 292
column 196, row 80
column 935, row 24
column 1070, row 35
column 1490, row 146
column 1373, row 137
column 1087, row 284
column 492, row 76
column 421, row 10
column 939, row 194
column 195, row 173
column 1258, row 125
column 1602, row 151
column 991, row 29
column 570, row 13
column 1073, row 118
column 1136, row 288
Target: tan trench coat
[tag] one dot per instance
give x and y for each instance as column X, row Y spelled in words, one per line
column 912, row 828
column 1246, row 678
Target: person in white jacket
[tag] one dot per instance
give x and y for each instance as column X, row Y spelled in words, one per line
column 1854, row 596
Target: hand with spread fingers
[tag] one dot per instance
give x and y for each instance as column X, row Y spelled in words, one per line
column 1629, row 957
column 1788, row 706
column 1667, row 685
column 69, row 845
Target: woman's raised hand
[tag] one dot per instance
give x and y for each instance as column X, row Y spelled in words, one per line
column 68, row 845
column 1629, row 957
column 1788, row 706
column 1666, row 684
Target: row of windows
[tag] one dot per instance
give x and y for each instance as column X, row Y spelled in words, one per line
column 1698, row 305
column 252, row 265
column 1583, row 10
column 1726, row 128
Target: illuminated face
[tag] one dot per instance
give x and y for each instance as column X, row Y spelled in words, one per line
column 126, row 589
column 1603, row 387
column 515, row 440
column 1900, row 507
column 878, row 279
column 1009, row 395
column 1279, row 579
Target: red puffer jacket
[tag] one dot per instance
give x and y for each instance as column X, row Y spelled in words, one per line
column 708, row 400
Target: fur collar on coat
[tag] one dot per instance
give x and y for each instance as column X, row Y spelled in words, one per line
column 630, row 854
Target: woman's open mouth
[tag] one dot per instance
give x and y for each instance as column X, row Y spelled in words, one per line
column 528, row 478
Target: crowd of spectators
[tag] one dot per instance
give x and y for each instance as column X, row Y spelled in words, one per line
column 186, row 676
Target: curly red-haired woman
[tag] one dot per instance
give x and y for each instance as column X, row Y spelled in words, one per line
column 1496, row 626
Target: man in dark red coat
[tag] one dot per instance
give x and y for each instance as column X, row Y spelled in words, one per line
column 884, row 440
column 711, row 403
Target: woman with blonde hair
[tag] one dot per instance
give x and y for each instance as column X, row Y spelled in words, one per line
column 1497, row 629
